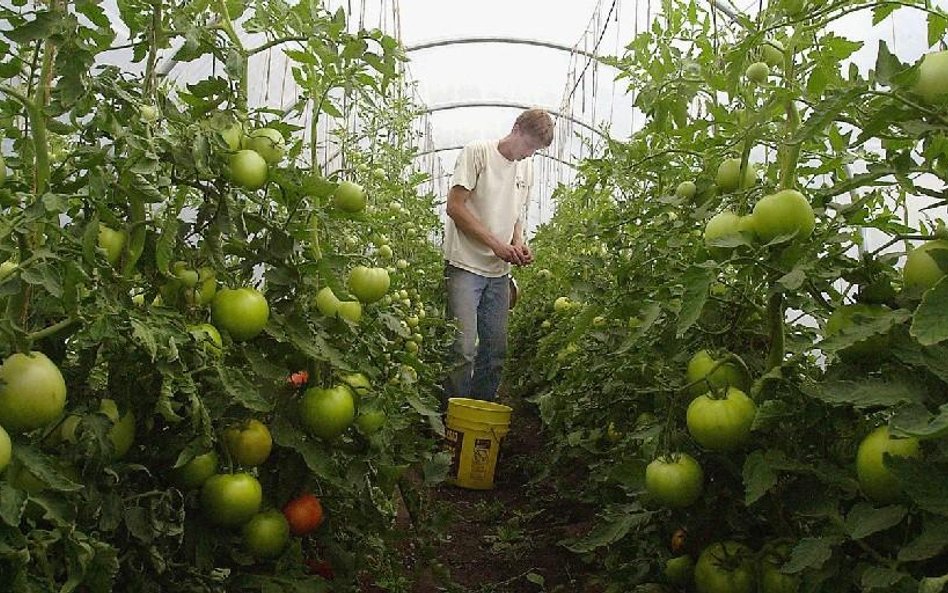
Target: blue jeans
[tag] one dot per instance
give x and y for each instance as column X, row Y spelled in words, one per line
column 479, row 305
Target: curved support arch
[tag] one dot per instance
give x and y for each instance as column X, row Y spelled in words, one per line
column 511, row 105
column 460, row 146
column 510, row 40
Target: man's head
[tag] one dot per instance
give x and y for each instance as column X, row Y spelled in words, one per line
column 532, row 131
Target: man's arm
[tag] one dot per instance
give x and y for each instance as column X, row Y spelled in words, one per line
column 468, row 224
column 526, row 255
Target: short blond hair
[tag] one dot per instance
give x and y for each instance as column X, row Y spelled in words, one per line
column 537, row 123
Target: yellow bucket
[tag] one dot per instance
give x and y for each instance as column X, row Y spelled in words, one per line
column 474, row 431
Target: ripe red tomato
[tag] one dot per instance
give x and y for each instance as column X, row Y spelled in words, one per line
column 304, row 514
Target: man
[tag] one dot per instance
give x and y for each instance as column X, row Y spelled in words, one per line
column 483, row 237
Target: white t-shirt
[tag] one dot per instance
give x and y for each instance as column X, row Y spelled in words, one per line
column 499, row 192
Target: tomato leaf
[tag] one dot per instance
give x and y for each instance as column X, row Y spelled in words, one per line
column 867, row 393
column 12, row 504
column 930, row 543
column 879, row 577
column 918, row 422
column 697, row 284
column 864, row 520
column 759, row 477
column 882, row 12
column 810, row 552
column 241, row 390
column 924, row 483
column 46, row 468
column 613, row 525
column 930, row 324
column 937, row 26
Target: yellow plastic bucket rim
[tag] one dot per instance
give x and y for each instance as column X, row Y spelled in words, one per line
column 478, row 404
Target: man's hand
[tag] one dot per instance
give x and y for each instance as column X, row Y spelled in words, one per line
column 525, row 253
column 509, row 253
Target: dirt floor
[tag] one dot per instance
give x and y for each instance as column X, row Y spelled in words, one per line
column 505, row 540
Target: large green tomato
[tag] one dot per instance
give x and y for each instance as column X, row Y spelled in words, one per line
column 266, row 534
column 327, row 302
column 7, row 268
column 876, row 480
column 845, row 318
column 783, row 213
column 729, row 176
column 194, row 473
column 680, row 570
column 724, row 224
column 922, row 271
column 686, row 190
column 370, row 421
column 674, row 480
column 248, row 169
column 327, row 413
column 112, row 242
column 721, row 424
column 350, row 311
column 6, row 449
column 122, row 433
column 769, row 575
column 231, row 499
column 268, row 143
column 725, row 567
column 230, row 130
column 772, row 52
column 249, row 444
column 368, row 284
column 32, row 392
column 933, row 76
column 726, row 375
column 243, row 312
column 349, row 197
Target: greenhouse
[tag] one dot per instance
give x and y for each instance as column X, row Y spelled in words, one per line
column 419, row 296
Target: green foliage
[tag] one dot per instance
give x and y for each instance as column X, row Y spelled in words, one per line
column 630, row 248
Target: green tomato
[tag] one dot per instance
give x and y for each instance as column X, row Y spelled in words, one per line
column 845, row 319
column 268, row 143
column 932, row 81
column 112, row 242
column 248, row 169
column 204, row 292
column 721, row 424
column 726, row 375
column 411, row 347
column 544, row 274
column 877, row 482
column 266, row 534
column 680, row 570
column 674, row 480
column 758, row 72
column 771, row 579
column 194, row 473
column 349, row 197
column 401, row 264
column 208, row 336
column 350, row 311
column 229, row 129
column 385, row 251
column 242, row 312
column 6, row 449
column 729, row 175
column 368, row 284
column 32, row 392
column 122, row 433
column 771, row 52
column 185, row 275
column 686, row 190
column 725, row 567
column 721, row 225
column 562, row 304
column 7, row 268
column 231, row 499
column 148, row 113
column 327, row 413
column 359, row 384
column 923, row 266
column 326, row 302
column 370, row 421
column 249, row 444
column 783, row 213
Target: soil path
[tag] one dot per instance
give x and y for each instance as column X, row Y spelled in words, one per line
column 505, row 540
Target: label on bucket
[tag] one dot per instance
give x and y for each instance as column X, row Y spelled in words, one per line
column 481, row 460
column 455, row 439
